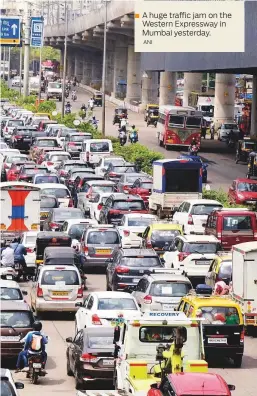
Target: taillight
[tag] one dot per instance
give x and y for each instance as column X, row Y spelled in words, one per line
column 99, row 206
column 70, row 203
column 85, row 249
column 148, row 300
column 30, row 250
column 125, row 187
column 96, row 320
column 190, row 220
column 71, row 144
column 121, row 270
column 126, row 233
column 49, row 163
column 148, row 243
column 54, row 225
column 88, row 358
column 113, row 211
column 39, row 292
column 112, row 174
column 87, row 156
column 6, row 129
column 17, row 137
column 242, row 336
column 80, row 293
column 182, row 256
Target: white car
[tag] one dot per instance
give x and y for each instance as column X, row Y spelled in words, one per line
column 8, row 386
column 12, row 156
column 17, row 82
column 95, row 149
column 9, row 127
column 75, row 228
column 28, row 239
column 132, row 227
column 60, row 191
column 225, row 128
column 10, row 291
column 89, row 190
column 192, row 214
column 99, row 308
column 193, row 254
column 57, row 288
column 55, row 158
column 104, row 162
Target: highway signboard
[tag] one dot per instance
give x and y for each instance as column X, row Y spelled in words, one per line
column 10, row 28
column 36, row 34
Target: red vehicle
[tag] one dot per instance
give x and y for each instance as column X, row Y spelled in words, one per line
column 13, row 171
column 43, row 124
column 51, row 66
column 143, row 188
column 232, row 226
column 243, row 191
column 192, row 384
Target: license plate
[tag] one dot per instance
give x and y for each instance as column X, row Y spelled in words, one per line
column 37, row 365
column 217, row 340
column 9, row 277
column 168, row 307
column 135, row 280
column 9, row 338
column 202, row 262
column 103, row 251
column 43, row 214
column 107, row 362
column 59, row 293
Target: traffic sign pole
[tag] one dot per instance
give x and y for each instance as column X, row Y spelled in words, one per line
column 26, row 51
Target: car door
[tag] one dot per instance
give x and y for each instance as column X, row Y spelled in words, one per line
column 110, row 268
column 141, row 291
column 81, row 315
column 75, row 350
column 105, row 210
column 82, row 196
column 33, row 293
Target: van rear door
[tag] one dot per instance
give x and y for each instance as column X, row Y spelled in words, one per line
column 237, row 228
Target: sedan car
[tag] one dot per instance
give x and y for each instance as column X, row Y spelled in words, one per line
column 127, row 180
column 57, row 216
column 52, row 159
column 225, row 128
column 243, row 191
column 21, row 138
column 90, row 189
column 103, row 307
column 27, row 172
column 132, row 227
column 90, row 355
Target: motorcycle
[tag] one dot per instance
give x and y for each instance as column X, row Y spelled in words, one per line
column 67, row 110
column 83, row 115
column 74, row 97
column 123, row 139
column 18, row 267
column 35, row 368
column 193, row 150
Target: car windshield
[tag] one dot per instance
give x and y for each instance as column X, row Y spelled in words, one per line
column 31, row 239
column 141, row 261
column 203, row 209
column 68, row 214
column 76, row 230
column 77, row 138
column 60, row 277
column 231, row 223
column 115, row 162
column 33, row 171
column 103, row 238
column 123, row 169
column 46, row 143
column 102, row 189
column 128, row 205
column 158, row 333
column 117, row 304
column 218, row 315
column 100, row 342
column 16, row 319
column 54, row 85
column 201, row 247
column 13, row 123
column 47, row 202
column 57, row 192
column 6, row 388
column 225, row 270
column 131, row 179
column 9, row 293
column 230, row 126
column 81, row 174
column 99, row 147
column 247, row 187
column 146, row 185
column 59, row 158
column 68, row 167
column 140, row 221
column 164, row 235
column 169, row 289
column 46, row 179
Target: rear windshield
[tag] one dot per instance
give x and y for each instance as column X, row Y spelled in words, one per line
column 100, row 342
column 147, row 185
column 12, row 123
column 12, row 157
column 8, row 293
column 116, row 303
column 157, row 333
column 103, row 237
column 99, row 147
column 46, row 179
column 128, row 205
column 57, row 192
column 204, row 210
column 46, row 143
column 66, row 214
column 54, row 85
column 247, row 187
column 141, row 262
column 47, row 203
column 231, row 223
column 68, row 167
column 169, row 289
column 102, row 189
column 139, row 221
column 113, row 162
column 164, row 235
column 33, row 171
column 123, row 169
column 201, row 247
column 225, row 270
column 16, row 319
column 131, row 179
column 62, row 157
column 77, row 138
column 218, row 315
column 60, row 277
column 31, row 239
column 76, row 230
column 23, row 132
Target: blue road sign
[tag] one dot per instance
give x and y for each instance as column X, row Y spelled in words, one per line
column 36, row 35
column 10, row 28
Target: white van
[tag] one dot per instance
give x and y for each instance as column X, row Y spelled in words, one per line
column 57, row 288
column 95, row 149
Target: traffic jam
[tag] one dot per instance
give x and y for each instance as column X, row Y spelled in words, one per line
column 181, row 270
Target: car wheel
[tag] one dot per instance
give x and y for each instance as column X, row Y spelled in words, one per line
column 238, row 361
column 69, row 371
column 78, row 383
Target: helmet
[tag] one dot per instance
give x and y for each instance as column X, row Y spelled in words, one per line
column 93, row 118
column 133, row 126
column 37, row 326
column 68, row 103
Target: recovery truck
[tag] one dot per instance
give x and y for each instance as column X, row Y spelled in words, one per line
column 244, row 282
column 174, row 181
column 20, row 209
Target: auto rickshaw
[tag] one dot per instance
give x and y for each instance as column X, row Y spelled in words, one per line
column 98, row 98
column 252, row 165
column 148, row 108
column 50, row 238
column 120, row 112
column 244, row 148
column 152, row 118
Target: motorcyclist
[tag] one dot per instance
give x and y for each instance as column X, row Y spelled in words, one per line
column 7, row 257
column 35, row 342
column 94, row 121
column 83, row 109
column 122, row 136
column 123, row 122
column 74, row 94
column 68, row 107
column 19, row 252
column 133, row 133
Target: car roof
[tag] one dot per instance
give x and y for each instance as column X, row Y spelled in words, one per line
column 46, row 138
column 112, row 294
column 203, row 202
column 58, row 266
column 192, row 383
column 140, row 215
column 243, row 180
column 81, row 169
column 139, row 252
column 9, row 284
column 58, row 153
column 80, row 221
column 98, row 141
column 113, row 157
column 102, row 182
column 198, row 238
column 72, row 161
column 168, row 277
column 165, row 226
column 14, row 306
column 66, row 209
column 127, row 196
column 52, row 185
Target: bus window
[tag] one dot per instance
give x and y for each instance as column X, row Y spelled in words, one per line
column 176, row 120
column 193, row 122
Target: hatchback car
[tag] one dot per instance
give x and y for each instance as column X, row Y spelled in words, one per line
column 159, row 236
column 90, row 189
column 21, row 138
column 52, row 159
column 47, row 203
column 128, row 179
column 57, row 216
column 60, row 191
column 225, row 128
column 104, row 162
column 73, row 143
column 27, row 172
column 243, row 191
column 9, row 127
column 98, row 244
column 8, row 386
column 132, row 227
column 10, row 291
column 127, row 266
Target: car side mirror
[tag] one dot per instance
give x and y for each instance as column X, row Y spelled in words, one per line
column 79, row 304
column 19, row 385
column 69, row 339
column 231, row 387
column 154, row 386
column 24, row 292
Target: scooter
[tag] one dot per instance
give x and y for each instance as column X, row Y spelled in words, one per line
column 133, row 138
column 123, row 139
column 83, row 115
column 67, row 110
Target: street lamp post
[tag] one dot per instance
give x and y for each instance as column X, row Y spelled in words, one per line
column 65, row 59
column 104, row 71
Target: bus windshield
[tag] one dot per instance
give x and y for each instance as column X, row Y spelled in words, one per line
column 177, row 120
column 193, row 122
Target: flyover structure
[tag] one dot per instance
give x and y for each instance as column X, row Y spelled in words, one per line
column 151, row 77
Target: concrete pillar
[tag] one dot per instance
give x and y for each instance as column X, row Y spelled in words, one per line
column 87, row 69
column 253, row 131
column 70, row 65
column 192, row 83
column 168, row 88
column 224, row 101
column 78, row 67
column 120, row 69
column 149, row 89
column 133, row 76
column 97, row 70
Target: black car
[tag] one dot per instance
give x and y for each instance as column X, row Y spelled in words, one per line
column 47, row 203
column 114, row 172
column 57, row 216
column 36, row 134
column 119, row 204
column 127, row 266
column 21, row 138
column 90, row 355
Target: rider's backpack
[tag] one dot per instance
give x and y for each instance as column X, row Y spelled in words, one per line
column 36, row 342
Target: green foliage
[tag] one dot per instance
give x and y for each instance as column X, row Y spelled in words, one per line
column 47, row 107
column 8, row 93
column 220, row 196
column 47, row 53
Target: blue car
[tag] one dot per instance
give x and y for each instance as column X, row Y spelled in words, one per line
column 195, row 158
